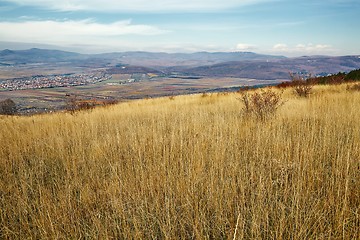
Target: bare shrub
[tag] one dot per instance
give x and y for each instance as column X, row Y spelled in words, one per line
column 355, row 87
column 204, row 95
column 85, row 104
column 301, row 86
column 243, row 89
column 284, row 84
column 110, row 102
column 261, row 104
column 8, row 107
column 74, row 104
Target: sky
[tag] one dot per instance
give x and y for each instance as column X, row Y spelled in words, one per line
column 277, row 27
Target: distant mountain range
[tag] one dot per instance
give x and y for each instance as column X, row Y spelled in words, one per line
column 218, row 64
column 279, row 69
column 36, row 55
column 150, row 59
column 147, row 59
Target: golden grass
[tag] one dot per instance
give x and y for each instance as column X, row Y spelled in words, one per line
column 188, row 168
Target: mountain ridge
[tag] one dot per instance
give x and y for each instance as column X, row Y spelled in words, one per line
column 133, row 57
column 319, row 66
column 205, row 64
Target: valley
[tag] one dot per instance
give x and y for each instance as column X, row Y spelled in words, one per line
column 41, row 80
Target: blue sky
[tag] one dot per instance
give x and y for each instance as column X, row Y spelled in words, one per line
column 290, row 28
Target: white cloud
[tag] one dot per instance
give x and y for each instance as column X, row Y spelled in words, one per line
column 312, row 47
column 189, row 47
column 72, row 32
column 320, row 46
column 245, row 47
column 300, row 46
column 137, row 5
column 280, row 47
column 303, row 49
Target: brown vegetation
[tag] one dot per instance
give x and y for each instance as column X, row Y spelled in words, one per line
column 354, row 87
column 306, row 83
column 189, row 168
column 301, row 85
column 262, row 104
column 8, row 107
column 73, row 103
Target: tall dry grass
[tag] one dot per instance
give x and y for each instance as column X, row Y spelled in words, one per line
column 188, row 168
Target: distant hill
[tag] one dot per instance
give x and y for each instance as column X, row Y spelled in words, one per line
column 216, row 64
column 278, row 69
column 36, row 55
column 146, row 59
column 152, row 59
column 131, row 69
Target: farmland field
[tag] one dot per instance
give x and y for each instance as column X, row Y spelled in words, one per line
column 120, row 89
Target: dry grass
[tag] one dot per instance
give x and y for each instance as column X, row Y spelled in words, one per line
column 188, row 168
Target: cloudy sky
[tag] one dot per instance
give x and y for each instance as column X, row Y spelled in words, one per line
column 282, row 27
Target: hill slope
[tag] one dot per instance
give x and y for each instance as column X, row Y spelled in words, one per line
column 185, row 167
column 36, row 55
column 279, row 69
column 217, row 64
column 146, row 59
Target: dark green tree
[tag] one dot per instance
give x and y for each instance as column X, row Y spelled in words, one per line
column 353, row 75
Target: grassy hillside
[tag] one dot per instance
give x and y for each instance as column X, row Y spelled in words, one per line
column 188, row 168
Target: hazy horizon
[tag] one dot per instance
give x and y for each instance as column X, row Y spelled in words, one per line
column 28, row 46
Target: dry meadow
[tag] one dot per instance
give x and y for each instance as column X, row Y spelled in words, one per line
column 185, row 167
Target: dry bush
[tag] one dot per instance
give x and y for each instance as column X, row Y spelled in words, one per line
column 74, row 104
column 110, row 102
column 355, row 87
column 8, row 107
column 284, row 84
column 204, row 95
column 262, row 104
column 303, row 90
column 301, row 86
